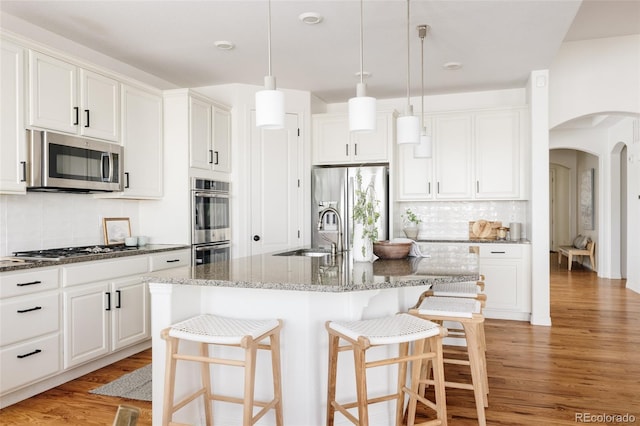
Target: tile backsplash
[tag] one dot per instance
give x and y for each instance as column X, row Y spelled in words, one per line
column 42, row 220
column 450, row 220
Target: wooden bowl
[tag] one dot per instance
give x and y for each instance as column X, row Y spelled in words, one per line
column 391, row 250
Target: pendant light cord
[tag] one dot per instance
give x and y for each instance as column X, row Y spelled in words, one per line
column 361, row 46
column 269, row 36
column 422, row 73
column 408, row 61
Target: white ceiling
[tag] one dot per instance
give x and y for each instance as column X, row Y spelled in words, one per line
column 498, row 42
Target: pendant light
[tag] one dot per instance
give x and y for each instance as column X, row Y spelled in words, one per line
column 362, row 108
column 269, row 102
column 408, row 125
column 423, row 149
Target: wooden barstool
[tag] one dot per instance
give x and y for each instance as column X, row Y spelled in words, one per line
column 468, row 289
column 398, row 329
column 215, row 330
column 467, row 312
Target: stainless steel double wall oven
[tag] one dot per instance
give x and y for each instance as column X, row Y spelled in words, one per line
column 210, row 221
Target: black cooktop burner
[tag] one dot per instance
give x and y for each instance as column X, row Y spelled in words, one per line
column 66, row 252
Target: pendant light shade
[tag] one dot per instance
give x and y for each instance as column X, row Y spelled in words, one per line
column 362, row 108
column 424, row 148
column 408, row 125
column 408, row 129
column 269, row 102
column 270, row 106
column 362, row 111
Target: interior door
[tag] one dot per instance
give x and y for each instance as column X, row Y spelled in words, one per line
column 276, row 196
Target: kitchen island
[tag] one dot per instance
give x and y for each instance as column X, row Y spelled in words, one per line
column 304, row 292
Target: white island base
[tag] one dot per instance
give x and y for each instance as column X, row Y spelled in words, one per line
column 304, row 347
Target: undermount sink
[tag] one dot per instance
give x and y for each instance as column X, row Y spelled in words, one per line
column 309, row 252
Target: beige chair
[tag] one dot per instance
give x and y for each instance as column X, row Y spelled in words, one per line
column 401, row 329
column 570, row 251
column 215, row 330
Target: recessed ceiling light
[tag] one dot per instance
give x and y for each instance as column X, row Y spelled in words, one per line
column 224, row 45
column 310, row 18
column 365, row 74
column 452, row 66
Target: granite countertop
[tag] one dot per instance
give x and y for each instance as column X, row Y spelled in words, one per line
column 475, row 241
column 328, row 274
column 9, row 265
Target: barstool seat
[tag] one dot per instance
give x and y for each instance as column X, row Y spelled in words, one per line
column 400, row 329
column 467, row 312
column 209, row 330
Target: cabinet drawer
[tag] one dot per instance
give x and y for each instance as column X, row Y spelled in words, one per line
column 501, row 251
column 171, row 259
column 19, row 283
column 26, row 317
column 103, row 270
column 29, row 361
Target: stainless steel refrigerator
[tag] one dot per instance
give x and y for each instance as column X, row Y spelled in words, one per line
column 333, row 187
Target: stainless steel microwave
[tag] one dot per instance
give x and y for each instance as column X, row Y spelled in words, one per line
column 60, row 162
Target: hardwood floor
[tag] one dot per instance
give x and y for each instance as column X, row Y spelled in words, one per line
column 587, row 363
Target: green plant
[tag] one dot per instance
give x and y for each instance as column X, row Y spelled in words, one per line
column 365, row 209
column 411, row 217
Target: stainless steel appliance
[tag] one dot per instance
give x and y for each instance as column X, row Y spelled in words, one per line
column 67, row 252
column 60, row 162
column 332, row 200
column 210, row 221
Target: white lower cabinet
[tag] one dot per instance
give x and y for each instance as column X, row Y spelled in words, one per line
column 29, row 327
column 106, row 314
column 507, row 272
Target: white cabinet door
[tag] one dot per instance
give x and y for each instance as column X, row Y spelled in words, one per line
column 130, row 312
column 331, row 139
column 453, row 156
column 497, row 154
column 200, row 152
column 221, row 140
column 99, row 105
column 53, row 93
column 333, row 143
column 373, row 146
column 87, row 328
column 142, row 141
column 415, row 175
column 13, row 161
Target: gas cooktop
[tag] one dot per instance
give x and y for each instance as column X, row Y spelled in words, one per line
column 66, row 252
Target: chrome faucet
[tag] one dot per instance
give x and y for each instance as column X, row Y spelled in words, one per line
column 340, row 246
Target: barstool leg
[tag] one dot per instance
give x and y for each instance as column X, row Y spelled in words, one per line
column 403, row 351
column 249, row 382
column 435, row 345
column 169, row 378
column 277, row 377
column 206, row 384
column 333, row 370
column 416, row 371
column 471, row 332
column 361, row 384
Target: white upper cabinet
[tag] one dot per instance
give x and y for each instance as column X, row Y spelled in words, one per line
column 69, row 99
column 210, row 136
column 415, row 175
column 497, row 154
column 13, row 161
column 452, row 135
column 476, row 155
column 143, row 141
column 333, row 143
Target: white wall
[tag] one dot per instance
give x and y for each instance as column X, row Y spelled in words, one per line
column 591, row 76
column 42, row 220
